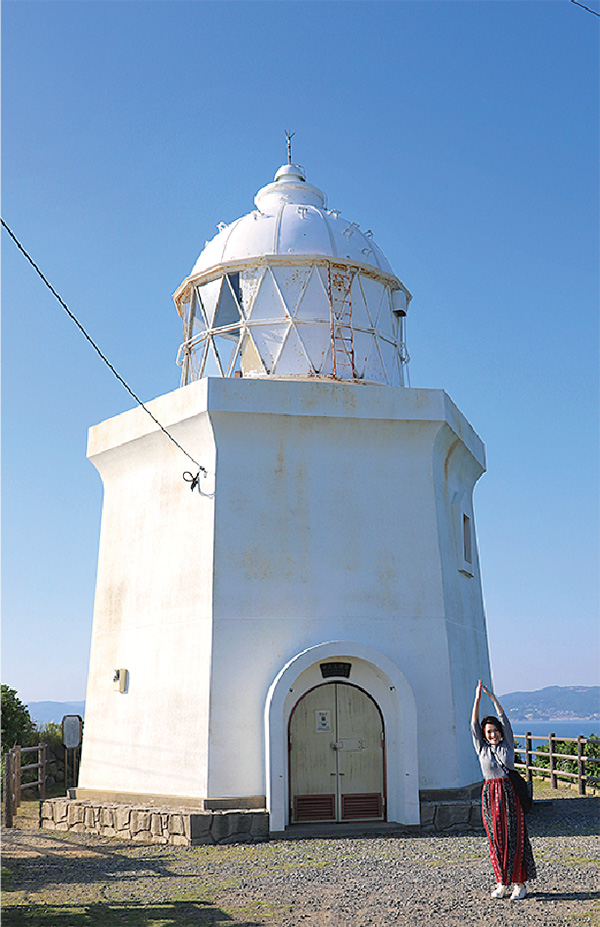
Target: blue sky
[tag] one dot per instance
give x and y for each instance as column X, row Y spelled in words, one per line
column 465, row 134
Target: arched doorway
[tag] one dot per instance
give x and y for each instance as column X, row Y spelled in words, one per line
column 336, row 756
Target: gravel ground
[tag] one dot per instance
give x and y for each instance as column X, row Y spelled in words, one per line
column 58, row 880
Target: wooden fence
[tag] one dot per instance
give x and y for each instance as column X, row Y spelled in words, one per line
column 532, row 753
column 13, row 778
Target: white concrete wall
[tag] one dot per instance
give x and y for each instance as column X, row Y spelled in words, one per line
column 331, row 520
column 152, row 612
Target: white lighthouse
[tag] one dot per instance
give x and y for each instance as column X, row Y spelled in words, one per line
column 301, row 632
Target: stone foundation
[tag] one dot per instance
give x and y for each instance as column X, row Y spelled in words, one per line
column 443, row 811
column 177, row 827
column 451, row 816
column 451, row 810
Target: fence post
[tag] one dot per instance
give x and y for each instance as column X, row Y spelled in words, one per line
column 43, row 761
column 580, row 766
column 553, row 779
column 17, row 775
column 8, row 789
column 528, row 756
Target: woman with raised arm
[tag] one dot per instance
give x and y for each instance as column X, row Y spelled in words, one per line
column 510, row 849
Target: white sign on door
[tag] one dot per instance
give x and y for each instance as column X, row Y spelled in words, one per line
column 323, row 721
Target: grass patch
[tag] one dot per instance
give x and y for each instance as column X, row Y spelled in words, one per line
column 586, row 918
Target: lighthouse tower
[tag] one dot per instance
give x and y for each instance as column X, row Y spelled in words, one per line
column 303, row 631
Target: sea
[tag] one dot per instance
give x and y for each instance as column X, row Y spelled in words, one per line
column 560, row 728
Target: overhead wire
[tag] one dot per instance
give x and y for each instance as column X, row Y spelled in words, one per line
column 110, row 366
column 583, row 6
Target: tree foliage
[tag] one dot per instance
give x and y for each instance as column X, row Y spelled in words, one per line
column 17, row 725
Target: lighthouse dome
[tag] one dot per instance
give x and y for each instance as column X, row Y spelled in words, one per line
column 291, row 218
column 293, row 289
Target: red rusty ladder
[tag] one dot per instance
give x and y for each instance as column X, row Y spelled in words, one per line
column 340, row 305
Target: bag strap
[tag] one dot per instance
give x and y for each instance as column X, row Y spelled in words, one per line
column 498, row 760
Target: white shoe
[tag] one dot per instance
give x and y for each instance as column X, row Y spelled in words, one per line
column 500, row 890
column 519, row 891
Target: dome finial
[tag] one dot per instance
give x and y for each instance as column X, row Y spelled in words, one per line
column 289, row 136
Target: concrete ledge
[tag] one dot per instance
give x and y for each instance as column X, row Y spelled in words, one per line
column 346, row 829
column 254, row 802
column 466, row 793
column 151, row 824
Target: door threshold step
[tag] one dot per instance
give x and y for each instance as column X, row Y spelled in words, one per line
column 334, row 830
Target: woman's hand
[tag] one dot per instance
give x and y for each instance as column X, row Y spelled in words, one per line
column 475, row 712
column 493, row 698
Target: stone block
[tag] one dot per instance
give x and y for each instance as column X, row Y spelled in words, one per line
column 202, row 841
column 452, row 814
column 142, row 836
column 46, row 811
column 224, row 824
column 475, row 818
column 237, row 838
column 244, row 823
column 107, row 831
column 199, row 825
column 107, row 817
column 140, row 821
column 61, row 825
column 156, row 825
column 178, row 840
column 122, row 818
column 75, row 814
column 427, row 814
column 60, row 810
column 176, row 825
column 259, row 825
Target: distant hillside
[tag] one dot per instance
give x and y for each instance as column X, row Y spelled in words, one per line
column 554, row 703
column 43, row 712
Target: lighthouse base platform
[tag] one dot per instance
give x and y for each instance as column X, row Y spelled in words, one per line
column 167, row 821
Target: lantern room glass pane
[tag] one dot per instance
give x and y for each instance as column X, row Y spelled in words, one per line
column 316, row 341
column 211, row 368
column 225, row 347
column 268, row 340
column 228, row 312
column 197, row 323
column 250, row 362
column 249, row 284
column 208, row 295
column 387, row 324
column 372, row 291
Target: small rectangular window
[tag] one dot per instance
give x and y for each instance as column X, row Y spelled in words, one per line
column 467, row 542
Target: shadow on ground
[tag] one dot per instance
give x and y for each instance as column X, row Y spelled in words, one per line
column 563, row 896
column 173, row 914
column 61, row 865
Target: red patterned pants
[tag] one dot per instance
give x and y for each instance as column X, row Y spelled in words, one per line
column 510, row 849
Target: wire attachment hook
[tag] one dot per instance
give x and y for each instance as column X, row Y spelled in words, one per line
column 194, row 480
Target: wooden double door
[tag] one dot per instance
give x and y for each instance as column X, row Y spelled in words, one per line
column 336, row 756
